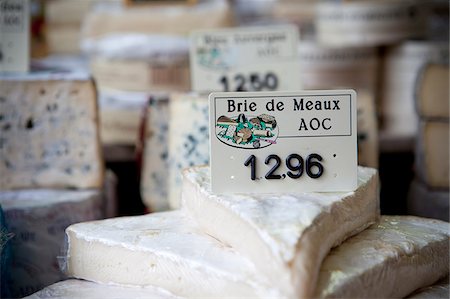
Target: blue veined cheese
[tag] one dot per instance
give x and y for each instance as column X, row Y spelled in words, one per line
column 38, row 218
column 155, row 172
column 49, row 132
column 287, row 236
column 81, row 289
column 120, row 115
column 165, row 250
column 390, row 259
column 188, row 138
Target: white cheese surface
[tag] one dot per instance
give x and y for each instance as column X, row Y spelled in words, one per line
column 285, row 235
column 390, row 259
column 163, row 249
column 81, row 289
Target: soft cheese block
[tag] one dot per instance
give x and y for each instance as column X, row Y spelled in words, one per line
column 432, row 92
column 81, row 289
column 164, row 249
column 49, row 132
column 286, row 235
column 188, row 138
column 390, row 259
column 155, row 172
column 38, row 218
column 440, row 290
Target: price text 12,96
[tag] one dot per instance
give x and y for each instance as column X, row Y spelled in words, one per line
column 294, row 162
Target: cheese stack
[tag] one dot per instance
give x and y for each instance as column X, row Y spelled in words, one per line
column 258, row 246
column 369, row 22
column 429, row 194
column 300, row 13
column 49, row 139
column 63, row 19
column 401, row 67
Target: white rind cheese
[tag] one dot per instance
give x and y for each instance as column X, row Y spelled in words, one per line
column 38, row 218
column 155, row 172
column 165, row 250
column 188, row 138
column 286, row 235
column 378, row 262
column 49, row 133
column 440, row 290
column 81, row 289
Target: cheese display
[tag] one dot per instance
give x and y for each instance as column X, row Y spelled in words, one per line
column 300, row 13
column 188, row 138
column 49, row 131
column 164, row 249
column 120, row 114
column 80, row 289
column 158, row 19
column 286, row 235
column 426, row 202
column 440, row 290
column 378, row 262
column 402, row 65
column 337, row 67
column 155, row 172
column 432, row 160
column 139, row 62
column 432, row 91
column 38, row 218
column 369, row 23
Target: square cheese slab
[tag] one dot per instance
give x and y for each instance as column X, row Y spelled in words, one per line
column 49, row 135
column 163, row 249
column 286, row 235
column 390, row 259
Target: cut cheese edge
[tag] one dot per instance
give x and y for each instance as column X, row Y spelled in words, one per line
column 163, row 249
column 378, row 262
column 285, row 235
column 49, row 132
column 81, row 289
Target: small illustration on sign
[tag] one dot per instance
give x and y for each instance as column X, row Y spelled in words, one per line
column 251, row 132
column 220, row 58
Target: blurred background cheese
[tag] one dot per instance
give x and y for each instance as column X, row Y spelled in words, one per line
column 38, row 218
column 188, row 138
column 50, row 134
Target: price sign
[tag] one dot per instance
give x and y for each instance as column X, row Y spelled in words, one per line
column 251, row 59
column 269, row 142
column 14, row 35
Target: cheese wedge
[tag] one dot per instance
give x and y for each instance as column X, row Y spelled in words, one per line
column 286, row 235
column 49, row 135
column 390, row 259
column 165, row 250
column 81, row 289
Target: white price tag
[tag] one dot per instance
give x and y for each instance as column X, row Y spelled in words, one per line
column 245, row 59
column 269, row 142
column 14, row 35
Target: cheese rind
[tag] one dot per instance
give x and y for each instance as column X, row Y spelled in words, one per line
column 38, row 218
column 285, row 235
column 81, row 289
column 440, row 290
column 163, row 249
column 377, row 262
column 49, row 132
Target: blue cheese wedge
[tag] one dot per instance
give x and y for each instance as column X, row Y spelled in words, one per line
column 164, row 249
column 287, row 236
column 49, row 135
column 390, row 259
column 38, row 218
column 81, row 289
column 188, row 138
column 155, row 172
